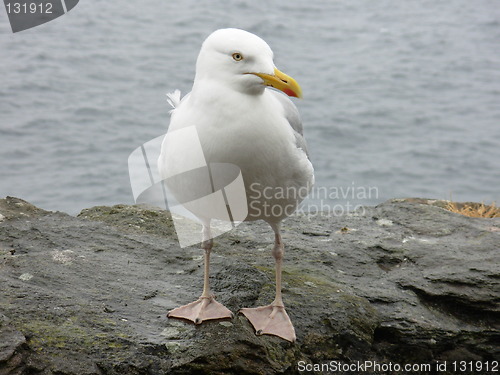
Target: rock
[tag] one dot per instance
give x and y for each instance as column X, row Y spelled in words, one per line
column 402, row 282
column 11, row 342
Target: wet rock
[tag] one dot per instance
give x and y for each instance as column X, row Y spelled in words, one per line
column 403, row 282
column 11, row 342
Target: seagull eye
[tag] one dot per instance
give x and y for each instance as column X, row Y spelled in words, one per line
column 237, row 56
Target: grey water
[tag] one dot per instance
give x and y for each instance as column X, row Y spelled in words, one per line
column 400, row 98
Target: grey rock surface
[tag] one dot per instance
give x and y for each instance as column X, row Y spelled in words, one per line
column 402, row 282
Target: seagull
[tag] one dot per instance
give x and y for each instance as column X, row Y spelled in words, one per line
column 243, row 115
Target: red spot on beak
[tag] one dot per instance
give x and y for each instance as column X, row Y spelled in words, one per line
column 290, row 93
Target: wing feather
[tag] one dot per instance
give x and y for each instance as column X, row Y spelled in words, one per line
column 293, row 117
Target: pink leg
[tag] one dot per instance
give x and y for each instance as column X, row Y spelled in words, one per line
column 273, row 319
column 206, row 307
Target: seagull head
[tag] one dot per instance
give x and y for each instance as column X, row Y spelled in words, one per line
column 244, row 62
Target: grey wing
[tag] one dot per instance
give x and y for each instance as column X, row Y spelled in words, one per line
column 293, row 117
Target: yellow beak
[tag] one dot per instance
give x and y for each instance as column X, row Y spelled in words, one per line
column 281, row 81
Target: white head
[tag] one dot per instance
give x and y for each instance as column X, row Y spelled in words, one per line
column 242, row 61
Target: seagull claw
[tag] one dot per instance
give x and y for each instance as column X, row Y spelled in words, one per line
column 205, row 308
column 271, row 320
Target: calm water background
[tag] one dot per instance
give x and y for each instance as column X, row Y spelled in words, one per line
column 399, row 96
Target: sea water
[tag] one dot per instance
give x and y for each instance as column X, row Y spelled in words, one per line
column 400, row 98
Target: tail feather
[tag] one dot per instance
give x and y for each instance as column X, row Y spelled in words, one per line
column 174, row 98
